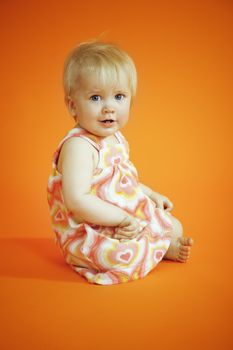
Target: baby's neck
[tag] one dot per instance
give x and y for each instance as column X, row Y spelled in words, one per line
column 110, row 140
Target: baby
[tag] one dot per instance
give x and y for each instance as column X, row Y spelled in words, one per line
column 110, row 227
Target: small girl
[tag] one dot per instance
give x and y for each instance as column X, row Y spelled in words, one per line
column 110, row 227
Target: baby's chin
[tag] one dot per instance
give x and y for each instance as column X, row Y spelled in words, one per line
column 103, row 132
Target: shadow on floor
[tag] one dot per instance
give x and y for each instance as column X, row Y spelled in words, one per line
column 35, row 258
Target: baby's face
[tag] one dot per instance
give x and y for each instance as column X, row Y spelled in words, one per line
column 99, row 109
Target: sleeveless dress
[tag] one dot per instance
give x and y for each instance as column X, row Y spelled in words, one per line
column 90, row 249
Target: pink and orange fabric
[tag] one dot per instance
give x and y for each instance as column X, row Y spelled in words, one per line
column 91, row 250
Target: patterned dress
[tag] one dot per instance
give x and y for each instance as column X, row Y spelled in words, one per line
column 90, row 249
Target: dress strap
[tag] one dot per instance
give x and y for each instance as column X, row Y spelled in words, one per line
column 91, row 142
column 120, row 137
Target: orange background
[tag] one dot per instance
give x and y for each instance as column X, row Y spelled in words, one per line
column 180, row 135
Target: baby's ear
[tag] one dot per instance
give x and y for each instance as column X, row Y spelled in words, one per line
column 70, row 105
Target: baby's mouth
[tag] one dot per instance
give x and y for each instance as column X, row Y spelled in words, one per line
column 108, row 121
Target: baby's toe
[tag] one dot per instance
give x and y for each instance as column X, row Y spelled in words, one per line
column 183, row 255
column 186, row 241
column 185, row 249
column 181, row 258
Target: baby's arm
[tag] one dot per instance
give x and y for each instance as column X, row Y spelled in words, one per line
column 77, row 166
column 161, row 201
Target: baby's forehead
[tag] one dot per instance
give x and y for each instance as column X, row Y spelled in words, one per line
column 96, row 82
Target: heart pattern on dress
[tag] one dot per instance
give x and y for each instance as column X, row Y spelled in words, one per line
column 116, row 160
column 158, row 255
column 125, row 256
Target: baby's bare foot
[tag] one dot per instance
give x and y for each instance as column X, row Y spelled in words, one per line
column 179, row 249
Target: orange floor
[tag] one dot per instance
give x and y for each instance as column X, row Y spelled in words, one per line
column 45, row 305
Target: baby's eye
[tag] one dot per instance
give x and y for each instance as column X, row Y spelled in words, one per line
column 119, row 97
column 95, row 98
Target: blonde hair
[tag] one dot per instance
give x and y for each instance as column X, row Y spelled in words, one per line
column 105, row 59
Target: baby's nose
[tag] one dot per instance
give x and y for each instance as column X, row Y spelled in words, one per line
column 108, row 109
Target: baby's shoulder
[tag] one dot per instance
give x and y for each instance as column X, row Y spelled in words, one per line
column 75, row 148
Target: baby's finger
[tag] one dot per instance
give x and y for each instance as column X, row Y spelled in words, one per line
column 159, row 204
column 123, row 238
column 125, row 234
column 168, row 205
column 133, row 230
column 168, row 209
column 127, row 229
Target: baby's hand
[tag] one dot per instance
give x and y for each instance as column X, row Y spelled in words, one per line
column 161, row 201
column 128, row 229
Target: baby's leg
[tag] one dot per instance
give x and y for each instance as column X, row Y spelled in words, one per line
column 180, row 247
